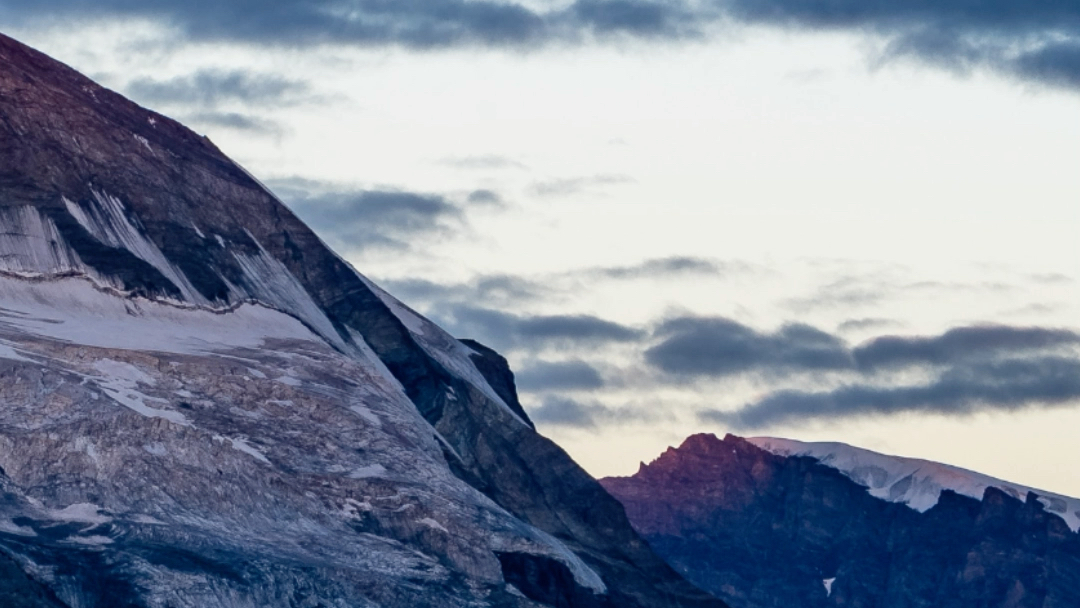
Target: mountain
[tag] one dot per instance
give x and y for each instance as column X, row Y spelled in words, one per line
column 203, row 406
column 777, row 523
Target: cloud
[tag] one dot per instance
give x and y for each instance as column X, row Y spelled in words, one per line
column 718, row 347
column 500, row 289
column 486, row 198
column 576, row 185
column 959, row 344
column 486, row 162
column 859, row 291
column 1036, row 42
column 563, row 375
column 962, row 371
column 211, row 88
column 504, row 330
column 361, row 219
column 863, row 324
column 516, row 290
column 638, row 18
column 1051, row 278
column 846, row 292
column 1033, row 41
column 224, row 99
column 565, row 412
column 667, row 267
column 423, row 24
column 235, row 121
column 1008, row 385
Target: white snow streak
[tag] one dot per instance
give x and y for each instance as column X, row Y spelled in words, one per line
column 109, row 223
column 241, row 445
column 120, row 381
column 365, row 472
column 31, row 244
column 73, row 309
column 83, row 513
column 913, row 482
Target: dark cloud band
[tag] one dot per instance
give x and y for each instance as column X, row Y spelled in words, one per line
column 1036, row 41
column 718, row 347
column 964, row 389
column 559, row 376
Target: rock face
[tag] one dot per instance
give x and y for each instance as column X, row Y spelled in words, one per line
column 760, row 529
column 202, row 406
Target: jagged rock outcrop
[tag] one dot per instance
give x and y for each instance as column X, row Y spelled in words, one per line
column 203, row 406
column 760, row 530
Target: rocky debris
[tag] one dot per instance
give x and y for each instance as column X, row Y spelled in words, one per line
column 762, row 530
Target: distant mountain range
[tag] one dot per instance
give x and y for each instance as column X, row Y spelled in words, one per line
column 771, row 523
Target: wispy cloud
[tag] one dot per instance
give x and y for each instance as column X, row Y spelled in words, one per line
column 211, row 88
column 865, row 323
column 515, row 291
column 576, row 185
column 668, row 267
column 505, row 331
column 356, row 220
column 235, row 121
column 488, row 162
column 588, row 415
column 494, row 289
column 229, row 99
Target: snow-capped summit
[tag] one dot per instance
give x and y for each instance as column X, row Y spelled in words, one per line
column 911, row 481
column 202, row 406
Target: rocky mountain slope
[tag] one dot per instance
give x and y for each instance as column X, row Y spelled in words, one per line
column 203, row 406
column 819, row 525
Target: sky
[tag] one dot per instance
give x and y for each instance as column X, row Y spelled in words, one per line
column 826, row 220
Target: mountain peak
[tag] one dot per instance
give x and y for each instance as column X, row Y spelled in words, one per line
column 210, row 407
column 818, row 525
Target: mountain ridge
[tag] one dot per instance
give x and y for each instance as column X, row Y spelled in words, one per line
column 915, row 482
column 761, row 530
column 205, row 406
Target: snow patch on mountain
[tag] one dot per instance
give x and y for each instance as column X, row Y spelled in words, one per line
column 106, row 219
column 911, row 481
column 120, row 381
column 30, row 244
column 76, row 310
column 268, row 280
column 83, row 513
